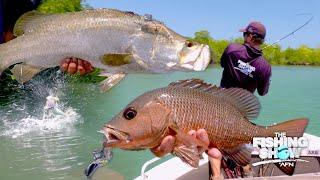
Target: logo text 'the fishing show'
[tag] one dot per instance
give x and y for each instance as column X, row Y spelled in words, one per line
column 280, row 147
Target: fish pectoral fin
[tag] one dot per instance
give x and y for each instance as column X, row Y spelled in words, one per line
column 116, row 59
column 187, row 147
column 189, row 155
column 241, row 154
column 111, row 81
column 23, row 73
column 140, row 62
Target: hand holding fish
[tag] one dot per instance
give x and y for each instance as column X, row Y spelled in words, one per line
column 167, row 144
column 165, row 116
column 73, row 65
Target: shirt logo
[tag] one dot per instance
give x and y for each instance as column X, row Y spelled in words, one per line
column 245, row 68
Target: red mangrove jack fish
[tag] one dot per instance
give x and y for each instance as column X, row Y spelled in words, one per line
column 190, row 105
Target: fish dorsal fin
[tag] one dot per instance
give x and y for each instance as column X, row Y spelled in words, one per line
column 23, row 73
column 248, row 103
column 28, row 22
column 196, row 84
column 244, row 100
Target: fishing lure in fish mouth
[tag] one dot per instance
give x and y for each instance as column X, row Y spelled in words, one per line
column 101, row 158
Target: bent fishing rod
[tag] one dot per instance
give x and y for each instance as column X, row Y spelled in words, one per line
column 292, row 33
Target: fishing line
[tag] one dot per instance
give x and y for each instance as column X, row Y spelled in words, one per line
column 291, row 33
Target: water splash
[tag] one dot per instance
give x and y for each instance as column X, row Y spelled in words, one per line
column 29, row 114
column 53, row 123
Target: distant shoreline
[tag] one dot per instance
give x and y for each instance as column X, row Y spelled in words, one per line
column 275, row 55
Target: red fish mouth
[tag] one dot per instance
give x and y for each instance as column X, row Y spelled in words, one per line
column 114, row 136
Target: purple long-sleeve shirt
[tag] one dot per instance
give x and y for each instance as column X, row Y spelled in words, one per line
column 245, row 67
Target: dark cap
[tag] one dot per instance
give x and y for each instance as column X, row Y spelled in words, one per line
column 255, row 28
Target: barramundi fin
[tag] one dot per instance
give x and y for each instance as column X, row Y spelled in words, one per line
column 116, row 59
column 23, row 73
column 186, row 146
column 110, row 81
column 28, row 22
column 247, row 103
column 195, row 84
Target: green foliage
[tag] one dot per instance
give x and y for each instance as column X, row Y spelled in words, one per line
column 92, row 77
column 60, row 6
column 216, row 46
column 303, row 55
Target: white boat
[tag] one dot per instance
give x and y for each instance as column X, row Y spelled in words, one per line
column 174, row 168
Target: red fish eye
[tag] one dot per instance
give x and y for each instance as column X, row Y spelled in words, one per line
column 129, row 113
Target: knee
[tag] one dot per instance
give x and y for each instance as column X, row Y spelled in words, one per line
column 214, row 153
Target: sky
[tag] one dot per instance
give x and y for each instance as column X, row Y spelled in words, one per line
column 224, row 18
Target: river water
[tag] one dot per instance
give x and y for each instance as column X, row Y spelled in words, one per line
column 60, row 147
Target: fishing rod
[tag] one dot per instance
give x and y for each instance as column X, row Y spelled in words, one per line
column 291, row 33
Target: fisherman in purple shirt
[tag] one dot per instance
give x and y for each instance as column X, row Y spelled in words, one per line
column 244, row 66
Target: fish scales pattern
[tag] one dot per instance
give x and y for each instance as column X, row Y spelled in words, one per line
column 97, row 35
column 193, row 109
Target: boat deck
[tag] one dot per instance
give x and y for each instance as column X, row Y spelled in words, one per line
column 174, row 168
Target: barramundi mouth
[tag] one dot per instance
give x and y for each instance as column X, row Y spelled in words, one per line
column 198, row 60
column 114, row 136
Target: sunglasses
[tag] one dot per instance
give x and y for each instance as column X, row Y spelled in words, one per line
column 253, row 34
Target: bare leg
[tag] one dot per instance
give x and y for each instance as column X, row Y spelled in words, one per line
column 215, row 157
column 214, row 154
column 216, row 167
